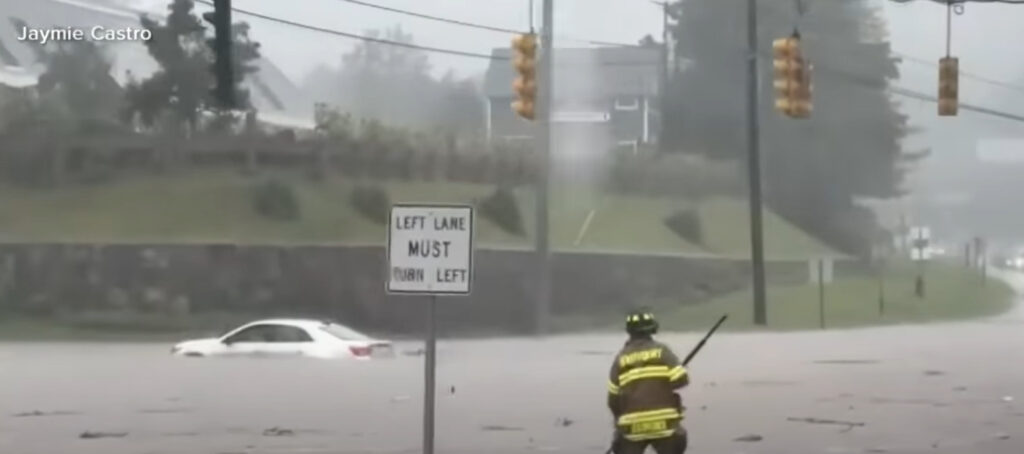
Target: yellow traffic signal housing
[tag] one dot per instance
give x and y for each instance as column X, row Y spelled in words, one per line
column 949, row 74
column 792, row 78
column 524, row 48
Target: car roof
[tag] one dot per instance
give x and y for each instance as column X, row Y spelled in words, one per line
column 297, row 322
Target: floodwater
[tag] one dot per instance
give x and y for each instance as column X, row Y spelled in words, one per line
column 949, row 388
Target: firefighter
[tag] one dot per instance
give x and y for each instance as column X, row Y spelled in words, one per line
column 641, row 392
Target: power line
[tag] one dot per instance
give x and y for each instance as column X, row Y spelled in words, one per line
column 360, row 37
column 965, row 106
column 854, row 78
column 926, row 62
column 1008, row 2
column 433, row 18
column 397, row 43
column 913, row 94
column 963, row 74
column 474, row 24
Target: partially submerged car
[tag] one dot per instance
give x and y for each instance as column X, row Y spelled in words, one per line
column 289, row 337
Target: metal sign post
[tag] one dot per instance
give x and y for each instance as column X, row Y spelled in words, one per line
column 429, row 374
column 920, row 253
column 430, row 252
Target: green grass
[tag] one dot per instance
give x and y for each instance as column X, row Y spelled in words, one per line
column 214, row 206
column 726, row 226
column 953, row 293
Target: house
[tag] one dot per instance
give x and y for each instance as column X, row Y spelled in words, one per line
column 278, row 100
column 609, row 92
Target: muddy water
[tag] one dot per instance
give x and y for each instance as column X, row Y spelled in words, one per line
column 948, row 388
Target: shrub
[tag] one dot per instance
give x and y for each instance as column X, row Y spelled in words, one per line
column 686, row 224
column 276, row 200
column 502, row 209
column 372, row 202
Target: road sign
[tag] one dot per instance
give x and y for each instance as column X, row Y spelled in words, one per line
column 918, row 255
column 580, row 117
column 920, row 240
column 921, row 233
column 430, row 249
column 821, row 270
column 430, row 252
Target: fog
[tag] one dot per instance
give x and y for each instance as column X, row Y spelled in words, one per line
column 982, row 38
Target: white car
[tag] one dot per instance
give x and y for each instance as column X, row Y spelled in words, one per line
column 289, row 337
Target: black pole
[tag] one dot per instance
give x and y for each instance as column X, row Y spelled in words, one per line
column 881, row 288
column 429, row 365
column 821, row 292
column 754, row 169
column 704, row 340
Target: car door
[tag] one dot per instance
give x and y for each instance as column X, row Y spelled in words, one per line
column 253, row 340
column 292, row 341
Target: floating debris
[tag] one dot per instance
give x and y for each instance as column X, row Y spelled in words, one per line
column 278, row 432
column 87, row 435
column 752, row 438
column 934, row 373
column 36, row 413
column 564, row 422
column 493, row 428
column 847, row 361
column 849, row 424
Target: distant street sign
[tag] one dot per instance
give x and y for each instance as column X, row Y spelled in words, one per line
column 922, row 233
column 580, row 117
column 918, row 255
column 821, row 270
column 430, row 249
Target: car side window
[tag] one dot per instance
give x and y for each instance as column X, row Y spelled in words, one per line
column 291, row 334
column 257, row 333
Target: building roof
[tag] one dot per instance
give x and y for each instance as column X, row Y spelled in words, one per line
column 270, row 90
column 586, row 72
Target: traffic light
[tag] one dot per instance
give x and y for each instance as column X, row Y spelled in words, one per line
column 524, row 48
column 792, row 79
column 949, row 74
column 220, row 44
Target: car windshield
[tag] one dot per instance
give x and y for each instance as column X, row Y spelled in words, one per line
column 343, row 332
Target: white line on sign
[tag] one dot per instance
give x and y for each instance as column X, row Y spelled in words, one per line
column 430, row 249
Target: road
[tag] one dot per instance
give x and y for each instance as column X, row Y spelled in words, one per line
column 949, row 388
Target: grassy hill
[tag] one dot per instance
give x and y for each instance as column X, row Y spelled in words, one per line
column 215, row 206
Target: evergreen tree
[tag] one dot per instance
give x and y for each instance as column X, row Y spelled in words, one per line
column 182, row 86
column 814, row 169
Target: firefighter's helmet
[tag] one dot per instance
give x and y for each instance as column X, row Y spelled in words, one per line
column 641, row 323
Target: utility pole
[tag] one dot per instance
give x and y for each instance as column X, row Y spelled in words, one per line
column 754, row 169
column 546, row 89
column 663, row 87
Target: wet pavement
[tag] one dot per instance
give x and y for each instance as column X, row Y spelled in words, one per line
column 949, row 388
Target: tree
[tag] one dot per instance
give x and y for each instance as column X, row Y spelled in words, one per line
column 75, row 94
column 182, row 85
column 393, row 84
column 814, row 169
